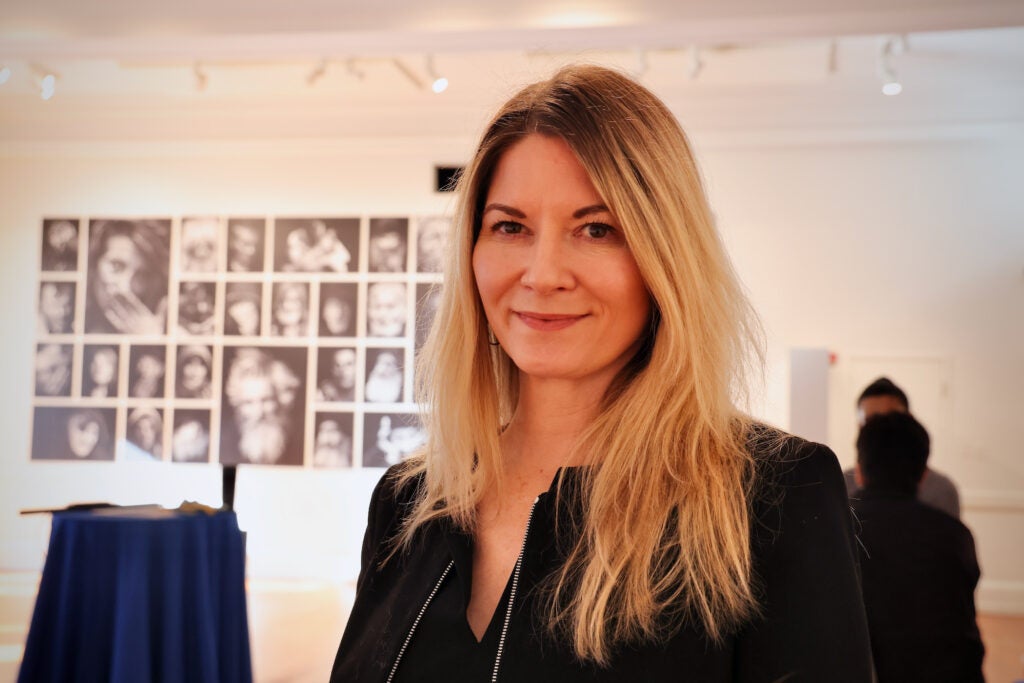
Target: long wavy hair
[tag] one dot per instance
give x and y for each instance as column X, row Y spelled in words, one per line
column 665, row 525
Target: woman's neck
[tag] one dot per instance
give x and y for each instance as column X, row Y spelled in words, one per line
column 543, row 433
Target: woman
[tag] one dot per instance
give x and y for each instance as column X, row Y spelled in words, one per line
column 591, row 505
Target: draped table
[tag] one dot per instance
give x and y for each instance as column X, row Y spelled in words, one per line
column 131, row 598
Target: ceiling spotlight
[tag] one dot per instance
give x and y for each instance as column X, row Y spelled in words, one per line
column 317, row 73
column 46, row 79
column 892, row 45
column 437, row 83
column 5, row 74
column 695, row 63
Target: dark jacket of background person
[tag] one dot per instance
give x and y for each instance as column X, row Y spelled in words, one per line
column 812, row 627
column 919, row 571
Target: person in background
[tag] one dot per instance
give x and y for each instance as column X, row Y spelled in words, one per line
column 592, row 503
column 883, row 396
column 918, row 565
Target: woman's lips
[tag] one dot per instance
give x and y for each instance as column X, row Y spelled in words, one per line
column 547, row 322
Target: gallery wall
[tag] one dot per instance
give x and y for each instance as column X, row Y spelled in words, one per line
column 874, row 247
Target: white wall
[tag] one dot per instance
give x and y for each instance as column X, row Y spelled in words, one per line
column 880, row 249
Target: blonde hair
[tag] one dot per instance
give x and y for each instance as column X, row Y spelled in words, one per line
column 665, row 528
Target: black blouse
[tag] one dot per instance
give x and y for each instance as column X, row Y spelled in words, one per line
column 811, row 628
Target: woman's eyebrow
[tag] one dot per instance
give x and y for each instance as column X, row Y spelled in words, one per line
column 504, row 208
column 589, row 210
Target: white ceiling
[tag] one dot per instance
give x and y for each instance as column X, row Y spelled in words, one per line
column 143, row 69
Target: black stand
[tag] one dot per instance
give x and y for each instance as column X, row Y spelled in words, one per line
column 228, row 486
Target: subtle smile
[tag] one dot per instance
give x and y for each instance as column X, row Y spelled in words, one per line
column 547, row 322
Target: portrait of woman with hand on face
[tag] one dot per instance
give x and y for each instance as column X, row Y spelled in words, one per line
column 592, row 503
column 128, row 277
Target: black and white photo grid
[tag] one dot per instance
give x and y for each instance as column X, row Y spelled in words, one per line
column 240, row 340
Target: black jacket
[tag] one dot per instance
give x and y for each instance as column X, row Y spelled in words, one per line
column 919, row 573
column 812, row 627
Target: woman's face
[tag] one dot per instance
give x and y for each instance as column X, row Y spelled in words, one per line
column 558, row 282
column 117, row 266
column 83, row 436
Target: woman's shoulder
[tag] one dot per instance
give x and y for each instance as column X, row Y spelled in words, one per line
column 394, row 495
column 783, row 458
column 793, row 477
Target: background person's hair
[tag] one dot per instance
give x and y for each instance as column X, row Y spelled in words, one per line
column 892, row 451
column 883, row 386
column 683, row 460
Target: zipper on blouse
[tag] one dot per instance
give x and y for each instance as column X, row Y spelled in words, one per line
column 508, row 607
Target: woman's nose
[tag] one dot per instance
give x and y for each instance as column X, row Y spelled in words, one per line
column 548, row 265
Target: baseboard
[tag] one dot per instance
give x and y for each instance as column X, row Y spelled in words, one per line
column 1000, row 597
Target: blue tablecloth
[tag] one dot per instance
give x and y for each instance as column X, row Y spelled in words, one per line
column 137, row 600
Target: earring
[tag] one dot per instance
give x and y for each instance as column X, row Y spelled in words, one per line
column 491, row 339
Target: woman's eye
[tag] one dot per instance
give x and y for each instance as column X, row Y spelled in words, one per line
column 597, row 231
column 507, row 228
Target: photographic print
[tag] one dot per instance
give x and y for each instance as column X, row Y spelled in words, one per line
column 73, row 433
column 246, row 239
column 390, row 438
column 316, row 245
column 263, row 406
column 337, row 309
column 145, row 434
column 386, row 309
column 147, row 368
column 336, row 374
column 56, row 307
column 332, row 443
column 289, row 309
column 127, row 286
column 99, row 371
column 242, row 309
column 196, row 308
column 60, row 245
column 384, row 380
column 199, row 245
column 53, row 369
column 190, row 441
column 194, row 371
column 431, row 242
column 389, row 245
